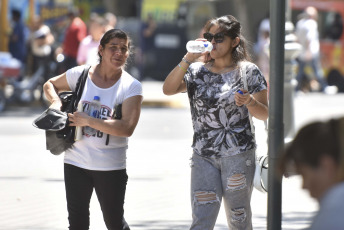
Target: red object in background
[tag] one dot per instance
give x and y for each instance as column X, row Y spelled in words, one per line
column 9, row 66
column 9, row 72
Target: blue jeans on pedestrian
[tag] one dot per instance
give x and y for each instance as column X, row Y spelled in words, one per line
column 317, row 70
column 230, row 178
column 110, row 188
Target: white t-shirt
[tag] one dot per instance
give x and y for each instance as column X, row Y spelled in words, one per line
column 91, row 152
column 308, row 36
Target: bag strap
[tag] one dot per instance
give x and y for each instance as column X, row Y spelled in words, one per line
column 80, row 86
column 243, row 67
column 117, row 115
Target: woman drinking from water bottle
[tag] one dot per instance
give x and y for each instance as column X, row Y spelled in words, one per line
column 223, row 160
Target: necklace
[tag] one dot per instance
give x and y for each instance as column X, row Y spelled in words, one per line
column 224, row 70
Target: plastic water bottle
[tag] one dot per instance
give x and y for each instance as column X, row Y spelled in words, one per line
column 93, row 111
column 198, row 46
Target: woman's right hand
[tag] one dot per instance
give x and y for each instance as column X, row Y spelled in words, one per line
column 174, row 82
column 192, row 57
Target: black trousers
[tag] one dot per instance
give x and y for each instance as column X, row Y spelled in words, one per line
column 110, row 188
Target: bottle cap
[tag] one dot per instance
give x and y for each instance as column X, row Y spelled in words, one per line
column 97, row 98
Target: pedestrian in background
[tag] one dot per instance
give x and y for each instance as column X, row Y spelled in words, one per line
column 317, row 154
column 147, row 40
column 223, row 162
column 308, row 36
column 88, row 48
column 261, row 48
column 17, row 39
column 111, row 20
column 40, row 45
column 96, row 162
column 75, row 32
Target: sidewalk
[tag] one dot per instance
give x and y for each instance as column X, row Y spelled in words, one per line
column 154, row 97
column 32, row 195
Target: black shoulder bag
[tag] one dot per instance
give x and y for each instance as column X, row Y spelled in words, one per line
column 59, row 141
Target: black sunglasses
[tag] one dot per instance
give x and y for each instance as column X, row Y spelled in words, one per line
column 218, row 37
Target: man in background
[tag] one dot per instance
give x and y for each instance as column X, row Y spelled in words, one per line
column 17, row 39
column 308, row 36
column 76, row 31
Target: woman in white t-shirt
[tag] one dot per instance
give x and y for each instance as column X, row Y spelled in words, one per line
column 99, row 161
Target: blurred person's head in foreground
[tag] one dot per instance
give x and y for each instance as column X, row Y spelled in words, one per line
column 317, row 154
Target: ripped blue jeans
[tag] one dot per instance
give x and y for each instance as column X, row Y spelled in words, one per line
column 229, row 178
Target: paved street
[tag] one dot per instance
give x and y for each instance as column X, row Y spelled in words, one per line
column 32, row 193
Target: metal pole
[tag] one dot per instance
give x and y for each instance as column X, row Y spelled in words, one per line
column 31, row 12
column 276, row 127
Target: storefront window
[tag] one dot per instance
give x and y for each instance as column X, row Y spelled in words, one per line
column 333, row 26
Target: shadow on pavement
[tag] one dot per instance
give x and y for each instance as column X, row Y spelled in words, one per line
column 292, row 220
column 168, row 225
column 22, row 110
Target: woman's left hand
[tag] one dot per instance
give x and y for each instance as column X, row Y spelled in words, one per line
column 242, row 99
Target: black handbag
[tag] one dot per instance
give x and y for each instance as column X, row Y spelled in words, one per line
column 60, row 139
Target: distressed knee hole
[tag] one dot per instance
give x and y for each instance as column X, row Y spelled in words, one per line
column 205, row 197
column 236, row 182
column 239, row 215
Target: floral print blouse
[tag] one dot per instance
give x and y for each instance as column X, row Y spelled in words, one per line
column 221, row 128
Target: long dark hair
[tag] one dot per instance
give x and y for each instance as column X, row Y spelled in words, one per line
column 114, row 33
column 232, row 28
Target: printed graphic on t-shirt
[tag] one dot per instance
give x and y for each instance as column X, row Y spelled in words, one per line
column 104, row 113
